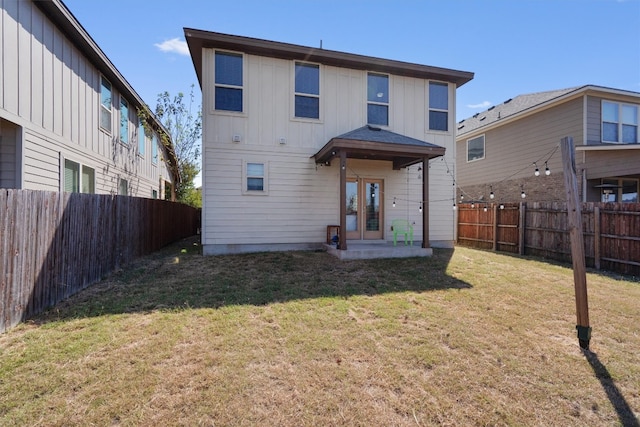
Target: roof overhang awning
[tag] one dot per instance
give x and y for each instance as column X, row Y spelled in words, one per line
column 373, row 143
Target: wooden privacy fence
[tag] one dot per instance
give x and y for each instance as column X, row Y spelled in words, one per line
column 52, row 245
column 611, row 231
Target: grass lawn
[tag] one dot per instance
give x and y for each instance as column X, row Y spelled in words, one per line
column 465, row 337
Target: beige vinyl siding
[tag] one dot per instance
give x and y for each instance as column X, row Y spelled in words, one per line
column 304, row 198
column 52, row 90
column 511, row 147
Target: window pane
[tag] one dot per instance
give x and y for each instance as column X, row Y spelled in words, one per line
column 255, row 184
column 475, row 148
column 228, row 99
column 308, row 79
column 307, row 106
column 377, row 88
column 141, row 139
column 88, row 180
column 228, row 69
column 255, row 169
column 438, row 120
column 105, row 94
column 630, row 191
column 377, row 114
column 609, row 112
column 105, row 119
column 71, row 176
column 123, row 188
column 610, row 132
column 629, row 134
column 630, row 114
column 438, row 96
column 124, row 121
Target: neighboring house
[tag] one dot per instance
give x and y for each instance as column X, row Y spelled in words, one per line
column 297, row 138
column 68, row 118
column 500, row 149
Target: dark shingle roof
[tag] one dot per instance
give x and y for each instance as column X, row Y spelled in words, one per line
column 375, row 134
column 509, row 108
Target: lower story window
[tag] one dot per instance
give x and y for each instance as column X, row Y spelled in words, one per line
column 123, row 187
column 255, row 178
column 79, row 178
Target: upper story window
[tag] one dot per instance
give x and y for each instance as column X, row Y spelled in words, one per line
column 141, row 138
column 154, row 149
column 619, row 122
column 438, row 106
column 105, row 104
column 307, row 90
column 124, row 121
column 377, row 99
column 475, row 148
column 228, row 81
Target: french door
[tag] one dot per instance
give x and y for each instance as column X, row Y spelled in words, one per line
column 364, row 209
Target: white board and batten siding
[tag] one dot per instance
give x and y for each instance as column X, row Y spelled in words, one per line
column 302, row 198
column 51, row 90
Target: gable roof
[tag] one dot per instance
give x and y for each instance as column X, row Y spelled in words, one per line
column 199, row 39
column 373, row 143
column 523, row 104
column 62, row 17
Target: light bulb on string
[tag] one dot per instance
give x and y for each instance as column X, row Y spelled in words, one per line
column 537, row 172
column 491, row 195
column 394, row 202
column 501, row 205
column 420, row 208
column 454, row 206
column 546, row 169
column 523, row 194
column 485, row 208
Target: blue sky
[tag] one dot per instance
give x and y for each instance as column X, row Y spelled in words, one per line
column 513, row 46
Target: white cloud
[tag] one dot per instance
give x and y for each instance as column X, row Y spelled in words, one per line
column 484, row 104
column 173, row 46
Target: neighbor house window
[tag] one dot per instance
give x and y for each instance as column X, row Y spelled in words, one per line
column 154, row 194
column 154, row 150
column 438, row 106
column 377, row 99
column 123, row 187
column 141, row 138
column 76, row 182
column 105, row 105
column 619, row 190
column 307, row 90
column 228, row 81
column 619, row 122
column 475, row 148
column 124, row 121
column 255, row 178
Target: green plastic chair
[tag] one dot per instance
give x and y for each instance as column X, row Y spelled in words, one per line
column 402, row 227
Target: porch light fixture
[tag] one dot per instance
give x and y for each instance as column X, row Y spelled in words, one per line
column 546, row 169
column 537, row 172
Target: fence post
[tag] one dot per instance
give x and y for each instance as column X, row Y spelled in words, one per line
column 522, row 227
column 596, row 236
column 574, row 223
column 495, row 227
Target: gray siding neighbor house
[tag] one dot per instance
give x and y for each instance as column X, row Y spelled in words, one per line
column 68, row 119
column 513, row 147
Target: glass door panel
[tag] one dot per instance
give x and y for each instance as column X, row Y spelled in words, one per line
column 353, row 231
column 373, row 213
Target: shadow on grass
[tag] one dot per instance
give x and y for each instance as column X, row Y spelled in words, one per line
column 620, row 404
column 179, row 277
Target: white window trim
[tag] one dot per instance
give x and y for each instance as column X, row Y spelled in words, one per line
column 367, row 102
column 448, row 111
column 265, row 188
column 320, row 118
column 484, row 148
column 619, row 123
column 81, row 166
column 101, row 107
column 243, row 87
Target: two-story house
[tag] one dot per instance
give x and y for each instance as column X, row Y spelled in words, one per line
column 512, row 149
column 69, row 120
column 297, row 138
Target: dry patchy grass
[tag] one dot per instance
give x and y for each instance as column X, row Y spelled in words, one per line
column 301, row 339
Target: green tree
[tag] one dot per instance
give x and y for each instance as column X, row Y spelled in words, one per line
column 185, row 131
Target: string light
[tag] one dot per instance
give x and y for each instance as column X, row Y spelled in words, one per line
column 523, row 194
column 491, row 195
column 394, row 202
column 501, row 205
column 454, row 206
column 485, row 208
column 537, row 172
column 546, row 169
column 420, row 208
